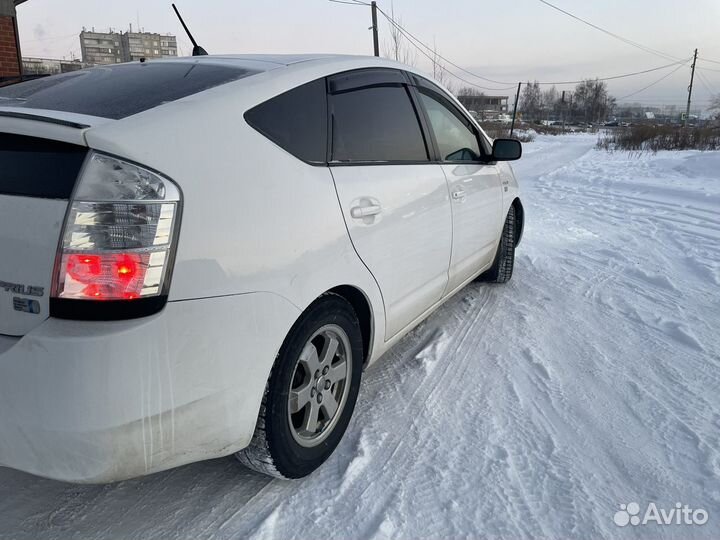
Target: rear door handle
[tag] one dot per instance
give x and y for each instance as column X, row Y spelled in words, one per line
column 359, row 212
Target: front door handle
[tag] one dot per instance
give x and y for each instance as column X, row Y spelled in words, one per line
column 459, row 194
column 359, row 212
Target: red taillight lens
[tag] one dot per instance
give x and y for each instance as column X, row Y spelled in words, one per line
column 118, row 240
column 83, row 267
column 106, row 276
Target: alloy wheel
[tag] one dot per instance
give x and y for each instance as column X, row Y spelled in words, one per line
column 319, row 386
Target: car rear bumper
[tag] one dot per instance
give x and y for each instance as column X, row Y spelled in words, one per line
column 98, row 402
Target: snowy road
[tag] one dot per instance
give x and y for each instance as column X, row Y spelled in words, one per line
column 532, row 409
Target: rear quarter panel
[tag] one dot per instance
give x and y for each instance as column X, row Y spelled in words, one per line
column 255, row 218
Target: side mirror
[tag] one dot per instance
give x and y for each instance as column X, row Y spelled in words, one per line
column 506, row 150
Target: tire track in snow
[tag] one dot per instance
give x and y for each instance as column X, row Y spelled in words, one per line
column 394, row 446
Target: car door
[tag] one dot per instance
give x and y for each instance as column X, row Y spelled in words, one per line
column 395, row 201
column 474, row 183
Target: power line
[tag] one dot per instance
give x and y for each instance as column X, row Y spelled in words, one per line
column 427, row 51
column 553, row 6
column 669, row 100
column 412, row 39
column 705, row 82
column 614, row 77
column 653, row 83
column 612, row 34
column 349, row 3
column 708, row 60
column 707, row 68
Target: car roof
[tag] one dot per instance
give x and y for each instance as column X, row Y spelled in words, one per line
column 283, row 59
column 268, row 62
column 293, row 67
column 258, row 76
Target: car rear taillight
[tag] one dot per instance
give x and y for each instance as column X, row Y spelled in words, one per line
column 119, row 235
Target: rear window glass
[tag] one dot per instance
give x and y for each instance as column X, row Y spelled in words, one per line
column 296, row 121
column 122, row 90
column 31, row 167
column 376, row 124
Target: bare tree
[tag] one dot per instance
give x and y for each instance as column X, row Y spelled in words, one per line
column 398, row 47
column 551, row 102
column 593, row 101
column 531, row 101
column 438, row 69
column 715, row 106
column 470, row 91
column 452, row 88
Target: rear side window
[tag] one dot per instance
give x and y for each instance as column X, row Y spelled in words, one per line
column 376, row 124
column 40, row 168
column 296, row 121
column 122, row 90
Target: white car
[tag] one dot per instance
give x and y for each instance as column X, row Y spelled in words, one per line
column 200, row 256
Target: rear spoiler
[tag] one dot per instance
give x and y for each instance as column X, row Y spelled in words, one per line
column 7, row 81
column 40, row 118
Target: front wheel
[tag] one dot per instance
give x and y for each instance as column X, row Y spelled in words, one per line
column 310, row 396
column 502, row 268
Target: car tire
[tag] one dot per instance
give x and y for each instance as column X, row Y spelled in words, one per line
column 502, row 268
column 295, row 431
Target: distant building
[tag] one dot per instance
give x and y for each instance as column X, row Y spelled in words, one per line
column 115, row 47
column 10, row 57
column 101, row 47
column 138, row 45
column 50, row 66
column 485, row 105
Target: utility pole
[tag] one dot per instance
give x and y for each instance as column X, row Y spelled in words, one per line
column 517, row 98
column 376, row 42
column 692, row 77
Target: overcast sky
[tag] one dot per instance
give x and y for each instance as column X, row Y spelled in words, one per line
column 503, row 40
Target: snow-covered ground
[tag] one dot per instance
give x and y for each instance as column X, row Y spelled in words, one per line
column 528, row 410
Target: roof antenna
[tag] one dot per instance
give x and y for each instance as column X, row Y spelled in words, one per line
column 197, row 49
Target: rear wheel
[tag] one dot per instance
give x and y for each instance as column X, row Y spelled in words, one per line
column 311, row 393
column 502, row 268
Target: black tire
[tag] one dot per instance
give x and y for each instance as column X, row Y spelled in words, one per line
column 502, row 268
column 274, row 449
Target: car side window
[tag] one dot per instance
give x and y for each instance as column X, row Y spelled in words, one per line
column 376, row 124
column 457, row 140
column 296, row 121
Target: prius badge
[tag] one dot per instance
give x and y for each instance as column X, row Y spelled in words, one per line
column 25, row 305
column 19, row 288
